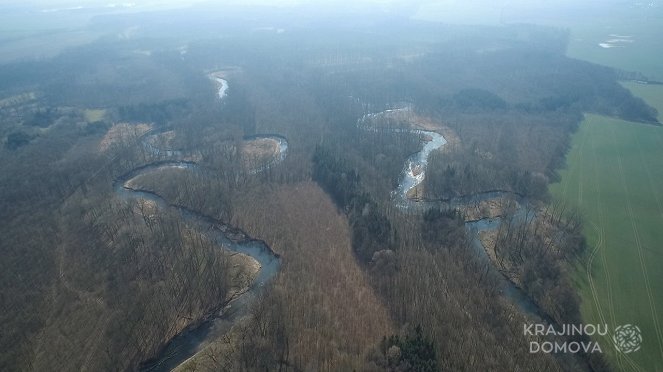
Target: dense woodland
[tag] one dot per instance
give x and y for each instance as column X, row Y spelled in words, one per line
column 93, row 281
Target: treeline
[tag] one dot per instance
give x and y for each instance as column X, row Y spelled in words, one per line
column 160, row 113
column 206, row 192
column 444, row 228
column 23, row 122
column 467, row 172
column 537, row 251
column 513, row 104
column 531, row 81
column 18, row 139
column 384, row 147
column 414, row 352
column 371, row 230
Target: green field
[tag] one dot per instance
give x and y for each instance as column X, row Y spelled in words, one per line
column 615, row 178
column 640, row 25
column 643, row 54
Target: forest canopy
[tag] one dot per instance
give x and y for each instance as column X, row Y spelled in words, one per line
column 94, row 280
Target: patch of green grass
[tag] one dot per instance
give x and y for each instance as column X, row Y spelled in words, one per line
column 615, row 178
column 94, row 115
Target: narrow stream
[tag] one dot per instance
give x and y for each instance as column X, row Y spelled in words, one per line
column 414, row 173
column 197, row 336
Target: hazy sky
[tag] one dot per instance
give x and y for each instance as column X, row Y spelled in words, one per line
column 451, row 11
column 451, row 4
column 466, row 7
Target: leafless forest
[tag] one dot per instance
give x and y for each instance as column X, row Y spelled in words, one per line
column 93, row 280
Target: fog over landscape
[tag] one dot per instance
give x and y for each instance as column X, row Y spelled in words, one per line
column 375, row 185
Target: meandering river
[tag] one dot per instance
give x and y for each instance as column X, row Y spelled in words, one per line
column 200, row 334
column 414, row 173
column 197, row 336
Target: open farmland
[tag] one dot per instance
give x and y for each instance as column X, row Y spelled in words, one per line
column 615, row 178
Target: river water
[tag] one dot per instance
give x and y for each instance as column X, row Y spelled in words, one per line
column 414, row 173
column 197, row 336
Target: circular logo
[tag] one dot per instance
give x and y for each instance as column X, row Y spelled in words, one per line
column 627, row 338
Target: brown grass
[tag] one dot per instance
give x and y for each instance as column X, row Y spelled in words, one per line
column 490, row 208
column 163, row 140
column 121, row 132
column 259, row 150
column 488, row 240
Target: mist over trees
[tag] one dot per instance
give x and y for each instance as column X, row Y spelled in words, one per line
column 91, row 280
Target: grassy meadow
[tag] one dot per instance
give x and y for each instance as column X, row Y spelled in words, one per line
column 615, row 178
column 641, row 50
